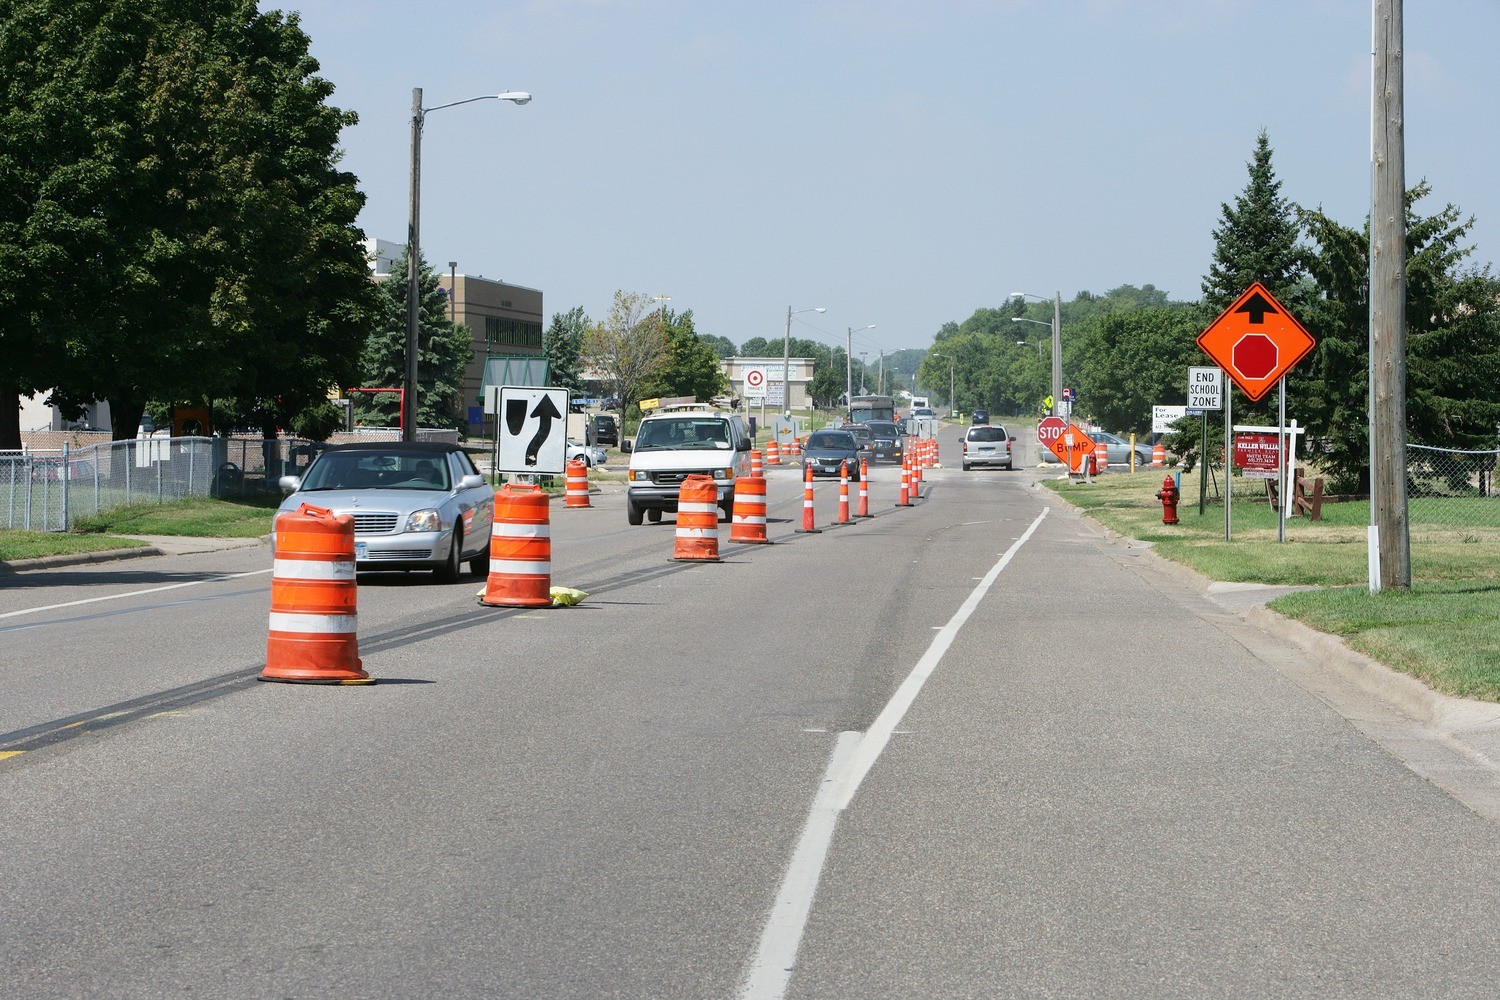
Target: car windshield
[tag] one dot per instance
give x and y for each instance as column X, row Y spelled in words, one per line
column 883, row 430
column 862, row 433
column 987, row 434
column 671, row 433
column 832, row 440
column 365, row 470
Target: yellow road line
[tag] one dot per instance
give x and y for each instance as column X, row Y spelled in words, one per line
column 10, row 753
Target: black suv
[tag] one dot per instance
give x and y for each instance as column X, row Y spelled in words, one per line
column 603, row 430
column 980, row 417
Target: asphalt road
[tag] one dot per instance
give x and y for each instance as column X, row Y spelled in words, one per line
column 998, row 753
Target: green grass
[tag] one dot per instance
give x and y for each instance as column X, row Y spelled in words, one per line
column 1445, row 630
column 1447, row 635
column 202, row 517
column 35, row 544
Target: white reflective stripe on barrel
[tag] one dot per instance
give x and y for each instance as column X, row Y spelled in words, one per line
column 695, row 507
column 697, row 532
column 521, row 567
column 282, row 621
column 503, row 529
column 749, row 519
column 312, row 569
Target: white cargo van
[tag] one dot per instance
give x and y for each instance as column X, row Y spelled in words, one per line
column 674, row 444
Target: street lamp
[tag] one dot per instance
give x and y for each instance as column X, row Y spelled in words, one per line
column 413, row 243
column 786, row 358
column 1035, row 343
column 952, row 403
column 1056, row 342
column 849, row 365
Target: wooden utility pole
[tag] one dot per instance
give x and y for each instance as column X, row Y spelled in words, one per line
column 1390, row 542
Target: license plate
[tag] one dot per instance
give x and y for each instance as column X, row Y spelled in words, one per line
column 361, row 551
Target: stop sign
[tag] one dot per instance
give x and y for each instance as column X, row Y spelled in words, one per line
column 1049, row 430
column 1254, row 355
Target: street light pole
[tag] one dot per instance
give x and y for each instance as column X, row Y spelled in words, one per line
column 414, row 246
column 1056, row 342
column 849, row 366
column 786, row 359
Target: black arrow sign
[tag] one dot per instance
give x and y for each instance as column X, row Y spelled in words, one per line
column 546, row 411
column 1257, row 307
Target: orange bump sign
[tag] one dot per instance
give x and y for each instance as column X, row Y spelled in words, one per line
column 1256, row 341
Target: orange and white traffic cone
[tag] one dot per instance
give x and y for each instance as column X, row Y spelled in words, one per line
column 864, row 490
column 748, row 521
column 843, row 517
column 520, row 550
column 697, row 520
column 796, row 446
column 807, row 503
column 905, row 498
column 314, row 623
column 757, row 467
column 577, row 481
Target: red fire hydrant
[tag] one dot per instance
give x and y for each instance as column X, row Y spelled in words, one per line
column 1168, row 497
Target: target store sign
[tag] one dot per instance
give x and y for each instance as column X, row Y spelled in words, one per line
column 755, row 383
column 1256, row 341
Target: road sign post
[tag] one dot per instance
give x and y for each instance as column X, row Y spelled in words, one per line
column 1048, row 431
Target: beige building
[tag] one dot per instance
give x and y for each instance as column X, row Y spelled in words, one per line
column 802, row 373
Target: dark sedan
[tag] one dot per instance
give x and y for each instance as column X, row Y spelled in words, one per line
column 826, row 449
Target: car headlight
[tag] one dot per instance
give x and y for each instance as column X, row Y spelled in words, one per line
column 723, row 473
column 424, row 520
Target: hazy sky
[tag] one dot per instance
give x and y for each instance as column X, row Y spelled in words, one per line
column 900, row 163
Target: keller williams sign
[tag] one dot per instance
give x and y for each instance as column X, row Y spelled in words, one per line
column 1257, row 455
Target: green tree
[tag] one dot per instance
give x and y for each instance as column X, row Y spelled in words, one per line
column 1133, row 359
column 563, row 345
column 171, row 201
column 690, row 368
column 1256, row 239
column 1453, row 339
column 628, row 347
column 444, row 351
column 722, row 347
column 760, row 347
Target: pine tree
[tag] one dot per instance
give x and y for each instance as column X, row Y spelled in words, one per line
column 563, row 345
column 1256, row 240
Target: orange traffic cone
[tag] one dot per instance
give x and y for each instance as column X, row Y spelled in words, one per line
column 757, row 467
column 314, row 625
column 520, row 550
column 577, row 492
column 697, row 520
column 864, row 490
column 905, row 498
column 748, row 523
column 843, row 517
column 807, row 503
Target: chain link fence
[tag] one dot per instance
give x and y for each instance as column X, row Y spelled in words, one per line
column 1456, row 489
column 50, row 491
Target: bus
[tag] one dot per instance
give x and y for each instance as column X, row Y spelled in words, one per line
column 863, row 409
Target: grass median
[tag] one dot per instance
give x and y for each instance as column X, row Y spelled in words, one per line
column 197, row 517
column 1445, row 630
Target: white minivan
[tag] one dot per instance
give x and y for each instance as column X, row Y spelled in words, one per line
column 672, row 445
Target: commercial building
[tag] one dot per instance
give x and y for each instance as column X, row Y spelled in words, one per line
column 801, row 381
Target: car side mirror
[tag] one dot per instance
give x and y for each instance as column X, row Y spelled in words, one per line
column 471, row 482
column 290, row 484
column 625, row 446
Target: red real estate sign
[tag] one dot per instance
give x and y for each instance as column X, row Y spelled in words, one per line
column 1257, row 455
column 1256, row 341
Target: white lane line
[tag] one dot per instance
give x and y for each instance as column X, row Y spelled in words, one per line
column 853, row 756
column 133, row 593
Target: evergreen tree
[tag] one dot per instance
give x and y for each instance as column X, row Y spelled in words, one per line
column 563, row 345
column 444, row 352
column 1256, row 239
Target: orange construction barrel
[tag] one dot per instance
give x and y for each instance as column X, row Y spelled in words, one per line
column 314, row 625
column 697, row 520
column 520, row 550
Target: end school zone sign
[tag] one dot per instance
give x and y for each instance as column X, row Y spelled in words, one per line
column 1205, row 390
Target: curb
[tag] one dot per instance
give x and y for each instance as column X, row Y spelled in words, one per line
column 79, row 559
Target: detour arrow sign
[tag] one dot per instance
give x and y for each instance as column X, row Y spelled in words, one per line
column 1256, row 341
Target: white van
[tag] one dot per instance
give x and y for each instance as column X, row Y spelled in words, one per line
column 674, row 444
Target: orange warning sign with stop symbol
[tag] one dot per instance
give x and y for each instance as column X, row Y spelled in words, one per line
column 1256, row 341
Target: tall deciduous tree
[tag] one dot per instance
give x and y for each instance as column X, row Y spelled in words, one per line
column 445, row 350
column 563, row 345
column 628, row 347
column 691, row 367
column 173, row 223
